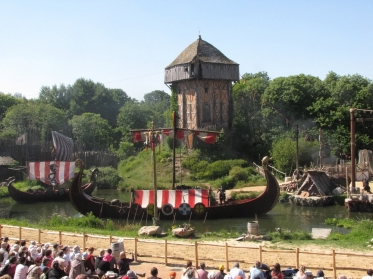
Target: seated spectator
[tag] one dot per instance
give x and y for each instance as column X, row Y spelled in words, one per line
column 276, row 271
column 342, row 276
column 320, row 274
column 154, row 273
column 301, row 273
column 369, row 274
column 257, row 272
column 77, row 266
column 34, row 270
column 56, row 272
column 89, row 260
column 220, row 274
column 236, row 271
column 202, row 273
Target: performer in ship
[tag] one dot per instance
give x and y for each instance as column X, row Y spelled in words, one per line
column 221, row 192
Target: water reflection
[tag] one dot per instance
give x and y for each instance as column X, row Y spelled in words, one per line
column 286, row 216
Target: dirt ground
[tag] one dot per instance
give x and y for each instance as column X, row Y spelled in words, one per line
column 151, row 252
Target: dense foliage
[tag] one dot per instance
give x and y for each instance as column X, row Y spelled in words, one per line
column 266, row 115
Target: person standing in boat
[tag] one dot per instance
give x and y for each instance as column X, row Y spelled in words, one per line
column 366, row 186
column 221, row 192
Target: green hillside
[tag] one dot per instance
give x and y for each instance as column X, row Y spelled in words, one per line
column 192, row 168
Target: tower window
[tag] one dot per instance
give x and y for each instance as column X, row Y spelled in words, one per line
column 192, row 70
column 206, row 89
column 206, row 112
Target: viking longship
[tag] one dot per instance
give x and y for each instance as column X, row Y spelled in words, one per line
column 51, row 194
column 52, row 175
column 174, row 204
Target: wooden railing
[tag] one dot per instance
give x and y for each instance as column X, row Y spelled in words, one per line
column 274, row 171
column 230, row 253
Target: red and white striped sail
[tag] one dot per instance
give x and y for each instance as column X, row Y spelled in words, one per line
column 173, row 197
column 207, row 137
column 180, row 134
column 51, row 172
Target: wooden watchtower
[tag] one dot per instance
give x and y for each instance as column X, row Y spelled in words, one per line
column 202, row 77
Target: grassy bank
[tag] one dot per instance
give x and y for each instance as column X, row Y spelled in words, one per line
column 193, row 168
column 357, row 238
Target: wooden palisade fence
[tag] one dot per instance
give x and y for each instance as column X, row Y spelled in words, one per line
column 41, row 236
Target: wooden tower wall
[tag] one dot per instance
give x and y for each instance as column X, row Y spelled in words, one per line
column 204, row 104
column 202, row 70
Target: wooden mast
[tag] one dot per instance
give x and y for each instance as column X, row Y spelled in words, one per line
column 174, row 150
column 353, row 144
column 152, row 144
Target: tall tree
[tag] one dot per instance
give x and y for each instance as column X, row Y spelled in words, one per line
column 58, row 97
column 133, row 116
column 332, row 112
column 85, row 96
column 6, row 102
column 91, row 131
column 159, row 102
column 35, row 119
column 247, row 113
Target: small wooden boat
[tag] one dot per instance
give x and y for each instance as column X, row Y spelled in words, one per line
column 50, row 194
column 249, row 207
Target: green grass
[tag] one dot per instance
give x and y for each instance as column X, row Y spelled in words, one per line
column 358, row 238
column 243, row 195
column 137, row 171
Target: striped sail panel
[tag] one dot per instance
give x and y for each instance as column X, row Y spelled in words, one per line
column 64, row 147
column 173, row 197
column 51, row 172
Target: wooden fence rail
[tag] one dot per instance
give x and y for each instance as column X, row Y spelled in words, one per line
column 11, row 233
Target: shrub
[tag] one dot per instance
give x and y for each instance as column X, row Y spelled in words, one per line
column 108, row 178
column 227, row 182
column 238, row 173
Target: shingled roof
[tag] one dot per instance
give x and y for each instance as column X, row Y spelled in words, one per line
column 204, row 51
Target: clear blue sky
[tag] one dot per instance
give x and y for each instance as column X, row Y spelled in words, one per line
column 127, row 44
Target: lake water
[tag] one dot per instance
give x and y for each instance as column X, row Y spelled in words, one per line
column 283, row 215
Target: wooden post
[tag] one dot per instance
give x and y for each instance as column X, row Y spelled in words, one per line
column 347, row 184
column 353, row 146
column 136, row 249
column 334, row 266
column 20, row 233
column 226, row 256
column 196, row 252
column 165, row 252
column 39, row 236
column 0, row 230
column 260, row 253
column 84, row 241
column 297, row 258
column 110, row 240
column 60, row 236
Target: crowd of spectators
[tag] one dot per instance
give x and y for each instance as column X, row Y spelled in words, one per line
column 47, row 261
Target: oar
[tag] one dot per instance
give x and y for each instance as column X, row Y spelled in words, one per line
column 134, row 217
column 190, row 216
column 142, row 216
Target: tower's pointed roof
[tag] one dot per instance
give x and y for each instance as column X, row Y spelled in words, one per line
column 204, row 51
